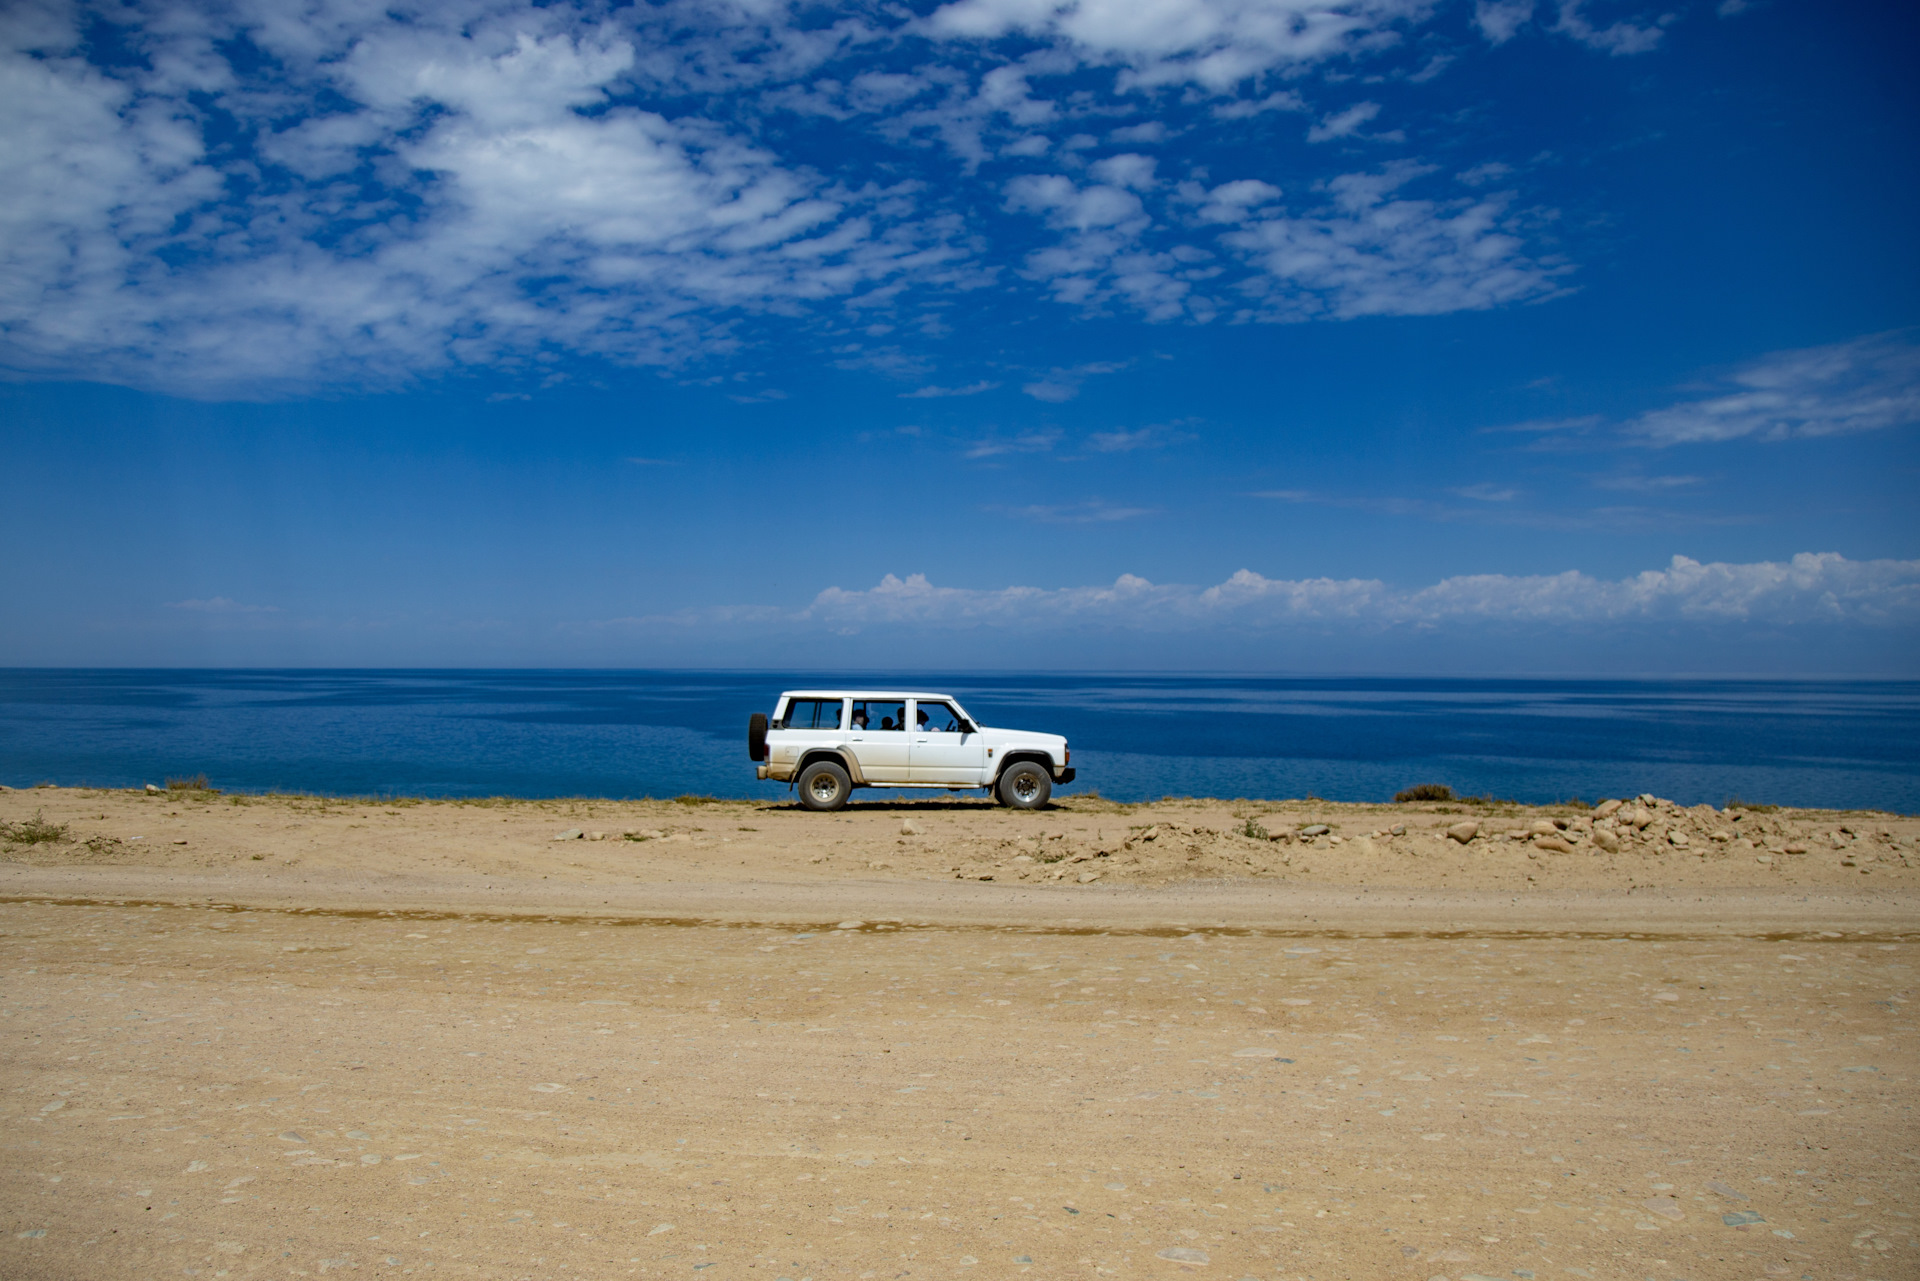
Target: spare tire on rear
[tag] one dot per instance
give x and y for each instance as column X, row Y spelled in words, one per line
column 757, row 737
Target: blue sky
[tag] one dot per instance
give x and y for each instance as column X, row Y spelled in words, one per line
column 1381, row 335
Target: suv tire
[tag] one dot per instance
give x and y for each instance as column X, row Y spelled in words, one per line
column 824, row 786
column 757, row 737
column 1025, row 786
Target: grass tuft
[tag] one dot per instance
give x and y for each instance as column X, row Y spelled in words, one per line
column 33, row 831
column 1424, row 792
column 1751, row 807
column 689, row 798
column 197, row 783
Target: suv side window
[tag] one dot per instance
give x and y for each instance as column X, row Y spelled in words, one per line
column 880, row 714
column 812, row 713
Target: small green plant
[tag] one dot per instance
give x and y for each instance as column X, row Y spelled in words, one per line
column 1253, row 828
column 1424, row 792
column 688, row 798
column 198, row 783
column 33, row 831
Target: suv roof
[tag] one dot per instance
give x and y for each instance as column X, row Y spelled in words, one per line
column 870, row 694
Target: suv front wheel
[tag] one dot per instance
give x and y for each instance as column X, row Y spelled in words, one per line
column 1025, row 786
column 824, row 786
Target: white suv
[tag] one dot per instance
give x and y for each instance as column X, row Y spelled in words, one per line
column 832, row 741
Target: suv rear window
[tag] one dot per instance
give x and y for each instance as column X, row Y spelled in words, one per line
column 812, row 713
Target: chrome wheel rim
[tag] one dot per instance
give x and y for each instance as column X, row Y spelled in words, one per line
column 1026, row 786
column 825, row 787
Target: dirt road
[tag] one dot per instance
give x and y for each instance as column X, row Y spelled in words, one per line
column 388, row 1046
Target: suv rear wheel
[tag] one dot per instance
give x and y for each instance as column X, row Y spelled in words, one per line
column 1025, row 786
column 824, row 786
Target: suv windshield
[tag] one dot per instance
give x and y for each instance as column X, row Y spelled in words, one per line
column 937, row 718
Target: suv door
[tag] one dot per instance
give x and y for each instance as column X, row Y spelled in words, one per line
column 943, row 750
column 877, row 737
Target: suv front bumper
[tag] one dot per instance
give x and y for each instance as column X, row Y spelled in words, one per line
column 1063, row 776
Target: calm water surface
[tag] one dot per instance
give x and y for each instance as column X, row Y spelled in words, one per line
column 654, row 733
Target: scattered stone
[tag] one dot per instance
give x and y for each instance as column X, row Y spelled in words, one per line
column 1398, row 829
column 1541, row 827
column 152, row 790
column 1554, row 844
column 850, row 925
column 1256, row 1052
column 1664, row 1206
column 1720, row 1189
column 1606, row 840
column 571, row 834
column 1607, row 809
column 1315, row 829
column 1796, row 847
column 1740, row 1218
column 909, row 828
column 1185, row 1254
column 596, row 836
column 1678, row 839
column 1464, row 832
column 1640, row 816
column 1087, row 878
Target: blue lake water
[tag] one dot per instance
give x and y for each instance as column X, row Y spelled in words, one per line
column 1851, row 744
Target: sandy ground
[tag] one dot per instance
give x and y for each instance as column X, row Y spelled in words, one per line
column 293, row 1037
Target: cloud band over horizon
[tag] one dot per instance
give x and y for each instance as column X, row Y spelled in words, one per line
column 1810, row 589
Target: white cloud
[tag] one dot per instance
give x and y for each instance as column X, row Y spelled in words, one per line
column 1811, row 588
column 1063, row 383
column 1618, row 38
column 1242, row 108
column 458, row 208
column 1122, row 442
column 390, row 192
column 1372, row 252
column 1500, row 20
column 932, row 393
column 1343, row 124
column 1070, row 207
column 1092, row 512
column 1213, row 43
column 1032, row 442
column 1868, row 384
